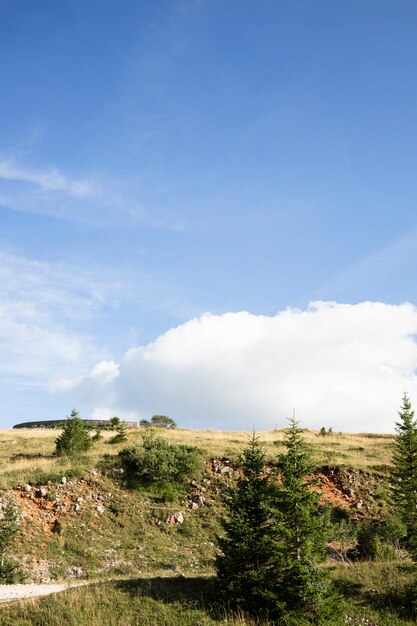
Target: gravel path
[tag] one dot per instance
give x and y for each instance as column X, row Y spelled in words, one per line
column 17, row 592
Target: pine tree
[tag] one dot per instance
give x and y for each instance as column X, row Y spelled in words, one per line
column 250, row 547
column 74, row 438
column 304, row 586
column 275, row 539
column 404, row 473
column 121, row 435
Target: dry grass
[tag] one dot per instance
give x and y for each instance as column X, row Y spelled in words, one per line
column 363, row 451
column 27, row 453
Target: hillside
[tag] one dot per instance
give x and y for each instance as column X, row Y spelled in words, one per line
column 81, row 521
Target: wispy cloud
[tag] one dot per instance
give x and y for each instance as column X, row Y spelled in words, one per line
column 47, row 180
column 95, row 199
column 44, row 314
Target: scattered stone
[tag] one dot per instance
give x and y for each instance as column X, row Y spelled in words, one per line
column 176, row 518
column 64, row 480
column 194, row 505
column 76, row 507
column 28, row 487
column 76, row 572
column 100, row 508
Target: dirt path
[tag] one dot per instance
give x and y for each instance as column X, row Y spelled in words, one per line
column 18, row 592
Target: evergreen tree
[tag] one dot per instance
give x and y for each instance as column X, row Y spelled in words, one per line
column 404, row 473
column 250, row 548
column 275, row 539
column 121, row 435
column 304, row 586
column 74, row 438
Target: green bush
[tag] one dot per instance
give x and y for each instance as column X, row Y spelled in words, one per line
column 380, row 540
column 156, row 462
column 10, row 573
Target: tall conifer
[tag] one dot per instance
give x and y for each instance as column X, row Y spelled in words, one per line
column 404, row 473
column 275, row 538
column 304, row 585
column 247, row 564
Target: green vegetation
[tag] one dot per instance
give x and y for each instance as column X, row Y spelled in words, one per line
column 248, row 564
column 75, row 438
column 121, row 430
column 275, row 539
column 404, row 472
column 166, row 466
column 305, row 588
column 9, row 526
column 80, row 518
column 159, row 421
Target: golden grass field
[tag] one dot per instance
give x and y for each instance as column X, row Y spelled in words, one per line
column 27, row 452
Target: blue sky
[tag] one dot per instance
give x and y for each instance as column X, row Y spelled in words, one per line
column 162, row 160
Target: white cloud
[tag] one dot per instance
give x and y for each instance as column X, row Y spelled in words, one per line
column 339, row 365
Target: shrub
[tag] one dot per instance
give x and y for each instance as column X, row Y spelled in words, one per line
column 9, row 525
column 98, row 436
column 156, row 462
column 380, row 540
column 74, row 438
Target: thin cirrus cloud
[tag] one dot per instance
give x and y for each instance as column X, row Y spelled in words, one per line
column 339, row 365
column 44, row 308
column 47, row 180
column 98, row 199
column 95, row 199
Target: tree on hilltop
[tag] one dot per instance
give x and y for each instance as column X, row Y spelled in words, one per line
column 159, row 421
column 74, row 438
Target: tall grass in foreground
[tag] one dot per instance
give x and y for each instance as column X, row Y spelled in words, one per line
column 373, row 593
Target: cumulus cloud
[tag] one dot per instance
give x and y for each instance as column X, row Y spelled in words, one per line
column 338, row 365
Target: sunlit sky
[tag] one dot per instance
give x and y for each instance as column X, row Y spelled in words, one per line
column 208, row 210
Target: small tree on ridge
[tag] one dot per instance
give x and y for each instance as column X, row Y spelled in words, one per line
column 74, row 438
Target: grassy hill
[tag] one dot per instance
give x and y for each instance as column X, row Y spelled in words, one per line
column 81, row 522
